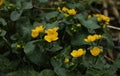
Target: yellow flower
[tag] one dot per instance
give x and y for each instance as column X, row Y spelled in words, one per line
column 2, row 2
column 66, row 60
column 39, row 28
column 34, row 33
column 77, row 53
column 101, row 18
column 64, row 9
column 52, row 31
column 95, row 51
column 97, row 36
column 52, row 34
column 74, row 53
column 72, row 12
column 90, row 38
column 50, row 38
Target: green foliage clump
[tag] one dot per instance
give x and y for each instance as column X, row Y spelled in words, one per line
column 55, row 38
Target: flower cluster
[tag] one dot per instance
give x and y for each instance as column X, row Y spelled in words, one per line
column 92, row 38
column 78, row 53
column 67, row 11
column 101, row 18
column 95, row 51
column 36, row 31
column 52, row 34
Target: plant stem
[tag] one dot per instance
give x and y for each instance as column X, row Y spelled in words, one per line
column 6, row 41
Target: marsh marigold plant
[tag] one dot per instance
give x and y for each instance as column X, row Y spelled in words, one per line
column 54, row 38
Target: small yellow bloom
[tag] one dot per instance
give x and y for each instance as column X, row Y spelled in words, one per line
column 72, row 12
column 2, row 2
column 34, row 33
column 77, row 53
column 18, row 46
column 39, row 28
column 66, row 60
column 95, row 51
column 78, row 25
column 64, row 9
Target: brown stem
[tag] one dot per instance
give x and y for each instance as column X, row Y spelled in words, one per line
column 113, row 27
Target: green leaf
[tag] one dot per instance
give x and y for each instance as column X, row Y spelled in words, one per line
column 29, row 47
column 52, row 25
column 81, row 17
column 22, row 72
column 61, row 72
column 51, row 15
column 24, row 28
column 47, row 72
column 27, row 5
column 68, row 30
column 78, row 40
column 65, row 72
column 5, row 64
column 117, row 63
column 35, row 53
column 15, row 15
column 54, row 47
column 88, row 23
column 2, row 32
column 108, row 38
column 3, row 21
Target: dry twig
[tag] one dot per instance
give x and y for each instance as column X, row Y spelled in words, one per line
column 113, row 27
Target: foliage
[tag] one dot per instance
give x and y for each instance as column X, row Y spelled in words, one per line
column 55, row 38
